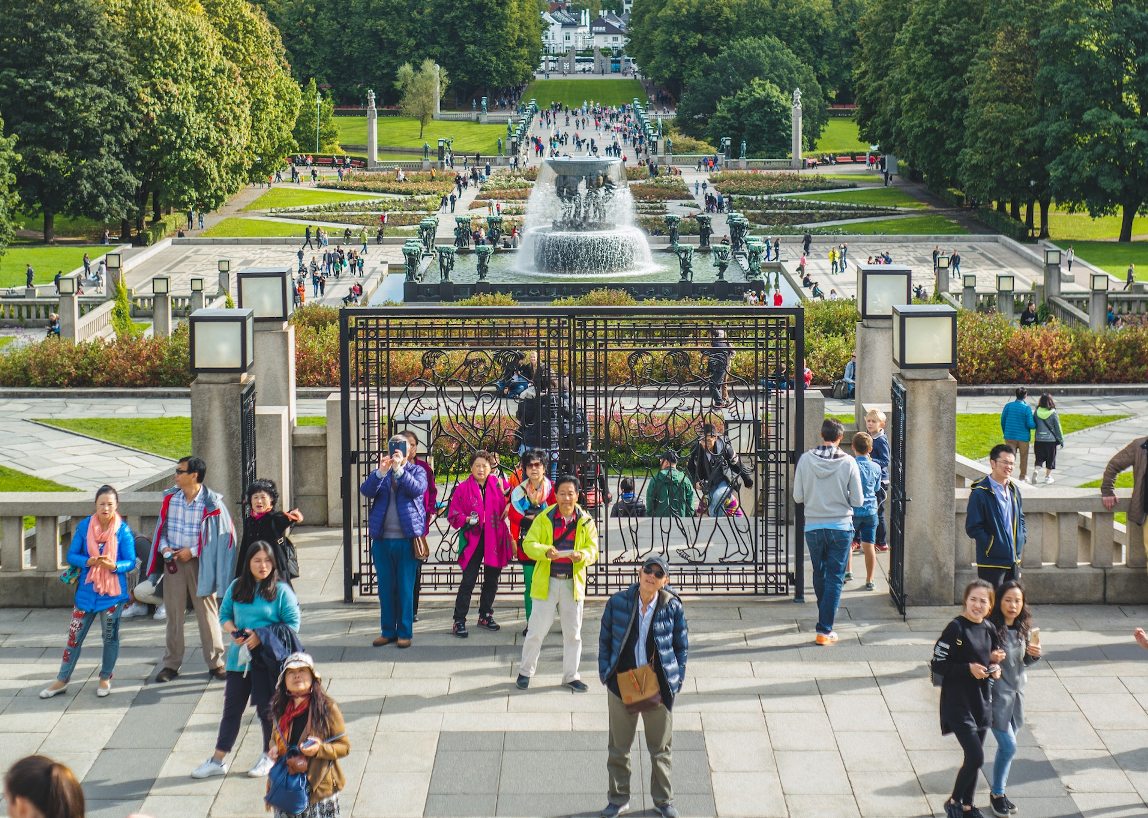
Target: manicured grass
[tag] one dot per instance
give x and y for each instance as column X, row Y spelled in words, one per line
column 311, row 420
column 841, row 136
column 881, row 196
column 45, row 259
column 911, row 226
column 1123, row 481
column 861, row 176
column 1065, row 226
column 401, row 132
column 1113, row 257
column 575, row 92
column 257, row 228
column 14, row 480
column 167, row 437
column 66, row 226
column 304, row 197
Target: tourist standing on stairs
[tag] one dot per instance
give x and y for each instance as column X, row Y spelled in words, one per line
column 1017, row 424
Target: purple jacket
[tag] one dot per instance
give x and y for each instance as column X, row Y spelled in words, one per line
column 408, row 487
column 491, row 529
column 430, row 498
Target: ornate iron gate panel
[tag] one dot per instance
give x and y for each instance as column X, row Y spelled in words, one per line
column 612, row 389
column 898, row 497
column 247, row 438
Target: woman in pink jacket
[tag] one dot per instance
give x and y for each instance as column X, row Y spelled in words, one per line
column 478, row 510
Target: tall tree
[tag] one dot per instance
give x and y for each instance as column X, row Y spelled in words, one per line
column 419, row 90
column 9, row 198
column 310, row 103
column 759, row 114
column 66, row 103
column 1096, row 80
column 875, row 72
column 485, row 44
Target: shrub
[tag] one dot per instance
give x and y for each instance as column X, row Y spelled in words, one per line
column 604, row 297
column 130, row 362
column 488, row 300
column 763, row 183
column 122, row 322
column 160, row 229
column 1002, row 223
column 314, row 317
column 687, row 144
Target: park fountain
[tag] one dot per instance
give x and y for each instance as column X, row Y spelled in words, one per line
column 580, row 222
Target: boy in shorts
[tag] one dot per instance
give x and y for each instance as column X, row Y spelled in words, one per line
column 865, row 515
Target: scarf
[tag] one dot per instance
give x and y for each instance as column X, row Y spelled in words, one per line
column 294, row 709
column 106, row 583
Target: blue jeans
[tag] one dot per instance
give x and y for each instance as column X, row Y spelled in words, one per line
column 78, row 631
column 395, row 568
column 828, row 551
column 1006, row 749
column 718, row 495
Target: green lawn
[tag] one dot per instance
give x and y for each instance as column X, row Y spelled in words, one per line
column 311, row 420
column 880, row 196
column 45, row 259
column 403, row 132
column 840, row 136
column 911, row 226
column 5, row 340
column 1113, row 257
column 66, row 226
column 13, row 480
column 305, row 197
column 255, row 228
column 575, row 92
column 1065, row 226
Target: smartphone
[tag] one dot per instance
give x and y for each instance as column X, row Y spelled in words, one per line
column 398, row 446
column 243, row 634
column 1034, row 637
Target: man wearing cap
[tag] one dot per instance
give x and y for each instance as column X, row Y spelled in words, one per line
column 828, row 482
column 643, row 625
column 669, row 493
column 716, row 469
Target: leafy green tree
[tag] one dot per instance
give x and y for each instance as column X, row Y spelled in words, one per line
column 1096, row 121
column 485, row 44
column 9, row 199
column 305, row 121
column 738, row 64
column 760, row 114
column 875, row 73
column 419, row 89
column 65, row 101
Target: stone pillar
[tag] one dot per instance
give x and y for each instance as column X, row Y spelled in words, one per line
column 69, row 316
column 273, row 428
column 197, row 301
column 813, row 415
column 373, row 132
column 216, row 434
column 1005, row 305
column 969, row 298
column 941, row 278
column 1098, row 311
column 161, row 315
column 224, row 283
column 29, row 292
column 1051, row 280
column 874, row 364
column 437, row 89
column 795, row 146
column 274, row 365
column 930, row 516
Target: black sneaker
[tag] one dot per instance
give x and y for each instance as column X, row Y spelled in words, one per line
column 999, row 805
column 578, row 686
column 1012, row 808
column 522, row 682
column 953, row 809
column 973, row 813
column 459, row 630
column 488, row 623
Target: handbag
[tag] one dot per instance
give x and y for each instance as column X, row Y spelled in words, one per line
column 639, row 689
column 420, row 550
column 291, row 556
column 149, row 590
column 70, row 575
column 287, row 790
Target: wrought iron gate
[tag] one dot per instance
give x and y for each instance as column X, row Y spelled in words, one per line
column 897, row 496
column 612, row 388
column 247, row 438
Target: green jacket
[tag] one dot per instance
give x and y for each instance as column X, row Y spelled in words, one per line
column 541, row 537
column 670, row 494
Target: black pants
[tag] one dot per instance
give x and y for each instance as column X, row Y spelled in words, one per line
column 418, row 583
column 239, row 689
column 466, row 588
column 973, row 743
column 998, row 576
column 882, row 534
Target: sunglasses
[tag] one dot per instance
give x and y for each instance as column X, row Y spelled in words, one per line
column 656, row 570
column 182, row 471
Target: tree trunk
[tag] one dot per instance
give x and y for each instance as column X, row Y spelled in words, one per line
column 1044, row 205
column 1128, row 214
column 1029, row 212
column 49, row 226
column 1014, row 209
column 125, row 229
column 156, row 214
column 1001, row 207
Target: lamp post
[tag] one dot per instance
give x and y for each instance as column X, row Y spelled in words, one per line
column 69, row 309
column 1097, row 301
column 113, row 262
column 969, row 291
column 879, row 287
column 161, row 306
column 196, row 294
column 1051, row 273
column 941, row 285
column 266, row 291
column 224, row 268
column 1006, row 287
column 924, row 409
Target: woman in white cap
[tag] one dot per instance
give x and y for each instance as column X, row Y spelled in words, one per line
column 306, row 718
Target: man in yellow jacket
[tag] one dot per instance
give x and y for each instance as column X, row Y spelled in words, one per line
column 563, row 541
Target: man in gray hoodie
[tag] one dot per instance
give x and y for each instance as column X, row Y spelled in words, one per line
column 828, row 483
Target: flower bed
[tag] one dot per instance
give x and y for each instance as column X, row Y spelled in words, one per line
column 763, row 183
column 661, row 189
column 390, row 205
column 416, row 183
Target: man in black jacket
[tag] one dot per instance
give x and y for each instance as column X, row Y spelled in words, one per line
column 716, row 470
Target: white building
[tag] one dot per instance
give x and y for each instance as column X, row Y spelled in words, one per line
column 609, row 32
column 563, row 30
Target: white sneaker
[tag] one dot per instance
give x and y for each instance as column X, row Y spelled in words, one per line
column 134, row 611
column 1032, row 478
column 160, row 614
column 1049, row 479
column 209, row 768
column 262, row 767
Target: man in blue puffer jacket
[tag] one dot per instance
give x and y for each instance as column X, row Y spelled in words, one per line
column 994, row 519
column 643, row 625
column 1017, row 424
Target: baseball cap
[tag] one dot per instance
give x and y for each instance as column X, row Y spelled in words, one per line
column 669, row 454
column 659, row 560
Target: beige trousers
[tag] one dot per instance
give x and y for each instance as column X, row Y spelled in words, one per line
column 178, row 588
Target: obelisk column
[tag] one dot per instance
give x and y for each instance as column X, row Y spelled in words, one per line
column 796, row 121
column 372, row 131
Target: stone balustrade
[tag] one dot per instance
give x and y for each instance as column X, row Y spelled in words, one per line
column 143, row 306
column 35, row 312
column 95, row 323
column 1064, row 312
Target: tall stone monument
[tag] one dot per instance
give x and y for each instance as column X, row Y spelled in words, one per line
column 795, row 163
column 372, row 131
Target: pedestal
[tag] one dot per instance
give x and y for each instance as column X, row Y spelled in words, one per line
column 1005, row 305
column 813, row 415
column 274, row 365
column 224, row 283
column 795, row 141
column 1051, row 280
column 969, row 298
column 69, row 316
column 216, row 432
column 372, row 137
column 941, row 279
column 161, row 315
column 874, row 365
column 930, row 516
column 1097, row 311
column 197, row 301
column 273, row 428
column 29, row 292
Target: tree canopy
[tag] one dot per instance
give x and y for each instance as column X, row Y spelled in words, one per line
column 759, row 114
column 9, row 198
column 419, row 90
column 304, row 135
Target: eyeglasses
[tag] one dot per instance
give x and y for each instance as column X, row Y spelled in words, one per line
column 182, row 471
column 656, row 570
column 1005, row 464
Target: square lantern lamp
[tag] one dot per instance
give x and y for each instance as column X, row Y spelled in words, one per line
column 197, row 285
column 1052, row 258
column 970, row 280
column 880, row 287
column 222, row 340
column 924, row 336
column 1099, row 282
column 1006, row 283
column 161, row 285
column 942, row 262
column 224, row 265
column 67, row 286
column 112, row 260
column 267, row 291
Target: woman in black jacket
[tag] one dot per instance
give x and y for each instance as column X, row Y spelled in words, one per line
column 263, row 522
column 965, row 657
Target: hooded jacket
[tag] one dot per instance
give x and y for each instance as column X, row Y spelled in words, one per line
column 828, row 482
column 1048, row 426
column 1016, row 421
column 669, row 494
column 216, row 546
column 997, row 545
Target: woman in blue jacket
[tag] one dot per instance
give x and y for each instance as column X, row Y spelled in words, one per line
column 104, row 551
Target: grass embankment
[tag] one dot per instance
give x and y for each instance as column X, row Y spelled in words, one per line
column 910, row 226
column 879, row 196
column 575, row 92
column 403, row 132
column 45, row 259
column 305, row 197
column 841, row 136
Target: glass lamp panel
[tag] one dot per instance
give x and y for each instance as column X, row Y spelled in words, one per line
column 883, row 290
column 197, row 285
column 1099, row 282
column 160, row 285
column 1052, row 257
column 928, row 340
column 112, row 260
column 263, row 295
column 67, row 286
column 1006, row 283
column 219, row 345
column 970, row 280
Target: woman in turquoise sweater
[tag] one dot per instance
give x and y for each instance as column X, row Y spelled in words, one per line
column 256, row 599
column 103, row 551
